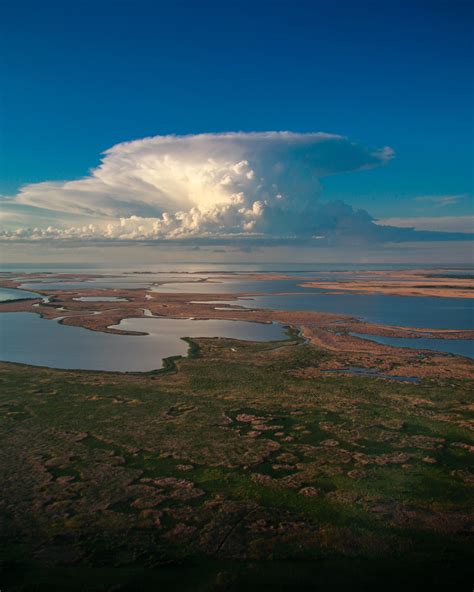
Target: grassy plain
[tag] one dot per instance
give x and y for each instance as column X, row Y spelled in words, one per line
column 237, row 468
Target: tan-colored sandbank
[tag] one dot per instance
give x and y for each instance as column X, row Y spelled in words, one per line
column 397, row 289
column 402, row 283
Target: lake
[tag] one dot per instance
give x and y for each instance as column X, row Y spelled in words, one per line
column 29, row 339
column 460, row 347
column 401, row 311
column 8, row 294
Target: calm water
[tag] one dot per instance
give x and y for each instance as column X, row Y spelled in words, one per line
column 125, row 281
column 235, row 286
column 29, row 339
column 100, row 299
column 7, row 294
column 87, row 285
column 417, row 312
column 410, row 311
column 403, row 311
column 174, row 284
column 460, row 347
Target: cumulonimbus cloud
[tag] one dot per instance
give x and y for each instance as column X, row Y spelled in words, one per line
column 178, row 187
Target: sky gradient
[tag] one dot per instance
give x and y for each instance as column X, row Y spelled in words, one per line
column 86, row 76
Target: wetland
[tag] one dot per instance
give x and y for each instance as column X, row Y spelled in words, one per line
column 233, row 443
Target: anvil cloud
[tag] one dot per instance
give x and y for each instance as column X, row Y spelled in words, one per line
column 207, row 185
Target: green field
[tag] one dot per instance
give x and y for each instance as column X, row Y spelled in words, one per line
column 230, row 470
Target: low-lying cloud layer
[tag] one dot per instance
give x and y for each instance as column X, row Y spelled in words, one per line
column 438, row 223
column 210, row 186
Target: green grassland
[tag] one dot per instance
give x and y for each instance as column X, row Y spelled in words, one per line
column 230, row 470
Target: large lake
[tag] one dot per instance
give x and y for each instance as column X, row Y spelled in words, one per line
column 402, row 311
column 29, row 339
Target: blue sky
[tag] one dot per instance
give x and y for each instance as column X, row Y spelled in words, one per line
column 84, row 76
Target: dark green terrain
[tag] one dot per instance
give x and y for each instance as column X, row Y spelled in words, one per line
column 234, row 470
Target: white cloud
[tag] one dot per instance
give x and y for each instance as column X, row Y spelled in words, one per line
column 169, row 187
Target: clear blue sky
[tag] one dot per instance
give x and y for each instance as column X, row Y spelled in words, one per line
column 80, row 76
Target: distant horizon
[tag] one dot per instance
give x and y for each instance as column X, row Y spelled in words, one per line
column 331, row 133
column 284, row 266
